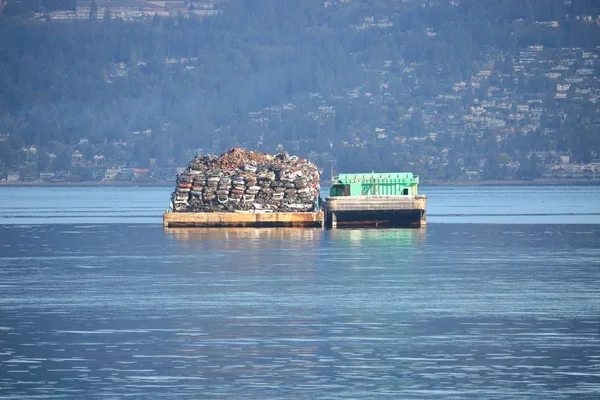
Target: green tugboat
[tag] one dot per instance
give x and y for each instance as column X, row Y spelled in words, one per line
column 380, row 200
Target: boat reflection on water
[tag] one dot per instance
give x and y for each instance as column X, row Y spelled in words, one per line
column 247, row 237
column 389, row 238
column 252, row 252
column 294, row 238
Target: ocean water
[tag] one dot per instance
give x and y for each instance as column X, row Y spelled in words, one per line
column 497, row 298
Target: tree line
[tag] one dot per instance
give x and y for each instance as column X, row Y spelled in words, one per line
column 61, row 82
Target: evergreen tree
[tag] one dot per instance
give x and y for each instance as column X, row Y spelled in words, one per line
column 93, row 11
column 417, row 126
column 107, row 15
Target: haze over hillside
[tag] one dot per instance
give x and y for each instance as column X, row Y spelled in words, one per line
column 488, row 89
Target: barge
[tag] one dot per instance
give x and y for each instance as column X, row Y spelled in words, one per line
column 379, row 200
column 243, row 219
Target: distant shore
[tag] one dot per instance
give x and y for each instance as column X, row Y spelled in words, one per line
column 535, row 182
column 90, row 184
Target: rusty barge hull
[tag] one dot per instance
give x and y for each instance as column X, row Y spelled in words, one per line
column 243, row 220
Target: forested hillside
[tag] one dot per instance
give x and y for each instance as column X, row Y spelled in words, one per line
column 499, row 88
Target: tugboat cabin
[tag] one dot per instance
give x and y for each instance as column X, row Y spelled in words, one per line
column 380, row 200
column 380, row 184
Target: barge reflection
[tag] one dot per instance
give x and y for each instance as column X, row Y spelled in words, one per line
column 262, row 235
column 374, row 237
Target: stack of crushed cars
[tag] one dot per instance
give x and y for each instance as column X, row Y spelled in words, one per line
column 247, row 181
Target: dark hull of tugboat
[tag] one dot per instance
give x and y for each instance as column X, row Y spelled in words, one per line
column 379, row 219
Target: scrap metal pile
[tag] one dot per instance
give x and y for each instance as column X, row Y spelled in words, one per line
column 242, row 180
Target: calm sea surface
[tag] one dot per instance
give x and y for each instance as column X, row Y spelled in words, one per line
column 497, row 298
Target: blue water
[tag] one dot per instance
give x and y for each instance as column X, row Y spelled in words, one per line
column 496, row 204
column 497, row 298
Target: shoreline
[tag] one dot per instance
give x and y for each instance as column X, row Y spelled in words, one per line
column 88, row 184
column 536, row 182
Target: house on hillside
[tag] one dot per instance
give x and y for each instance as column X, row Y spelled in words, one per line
column 13, row 176
column 111, row 174
column 47, row 176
